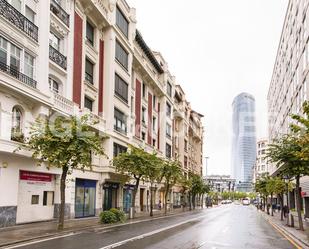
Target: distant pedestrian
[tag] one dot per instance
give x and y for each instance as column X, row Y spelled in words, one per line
column 160, row 205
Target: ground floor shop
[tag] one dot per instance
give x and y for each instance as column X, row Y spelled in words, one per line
column 31, row 193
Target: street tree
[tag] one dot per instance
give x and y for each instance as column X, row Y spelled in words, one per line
column 260, row 187
column 153, row 174
column 286, row 153
column 132, row 163
column 196, row 186
column 171, row 174
column 65, row 143
column 271, row 189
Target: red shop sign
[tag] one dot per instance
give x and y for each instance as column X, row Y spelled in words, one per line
column 303, row 194
column 35, row 176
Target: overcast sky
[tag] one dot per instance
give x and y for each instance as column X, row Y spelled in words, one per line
column 216, row 49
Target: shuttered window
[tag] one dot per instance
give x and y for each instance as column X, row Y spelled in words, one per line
column 121, row 88
column 121, row 55
column 122, row 22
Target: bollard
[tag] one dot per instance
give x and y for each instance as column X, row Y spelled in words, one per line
column 131, row 213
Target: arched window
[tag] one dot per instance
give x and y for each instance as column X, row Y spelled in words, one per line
column 54, row 85
column 16, row 132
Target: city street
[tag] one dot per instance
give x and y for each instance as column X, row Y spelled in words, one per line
column 228, row 226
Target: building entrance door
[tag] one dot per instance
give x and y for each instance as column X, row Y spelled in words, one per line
column 85, row 198
column 141, row 199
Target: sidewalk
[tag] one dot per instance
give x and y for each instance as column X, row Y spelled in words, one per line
column 301, row 237
column 28, row 232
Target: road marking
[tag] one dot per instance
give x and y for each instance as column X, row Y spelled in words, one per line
column 142, row 236
column 42, row 240
column 294, row 243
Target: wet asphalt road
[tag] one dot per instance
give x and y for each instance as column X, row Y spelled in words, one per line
column 230, row 226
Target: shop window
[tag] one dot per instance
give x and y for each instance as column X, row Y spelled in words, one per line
column 35, row 199
column 48, row 198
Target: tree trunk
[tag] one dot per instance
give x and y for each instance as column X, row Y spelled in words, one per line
column 271, row 204
column 202, row 201
column 281, row 205
column 190, row 201
column 134, row 195
column 62, row 197
column 298, row 204
column 193, row 201
column 151, row 204
column 165, row 197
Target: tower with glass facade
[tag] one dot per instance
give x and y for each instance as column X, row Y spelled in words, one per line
column 244, row 141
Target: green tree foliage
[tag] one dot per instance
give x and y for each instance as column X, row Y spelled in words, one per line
column 171, row 174
column 66, row 143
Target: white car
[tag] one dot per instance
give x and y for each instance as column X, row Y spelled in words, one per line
column 245, row 202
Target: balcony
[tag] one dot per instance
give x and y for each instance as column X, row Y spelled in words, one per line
column 63, row 104
column 57, row 57
column 18, row 75
column 19, row 20
column 60, row 13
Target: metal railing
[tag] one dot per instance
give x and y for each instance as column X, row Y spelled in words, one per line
column 57, row 57
column 60, row 12
column 19, row 20
column 18, row 75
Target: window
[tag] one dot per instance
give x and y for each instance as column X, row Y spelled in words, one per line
column 89, row 33
column 118, row 149
column 89, row 71
column 88, row 103
column 168, row 151
column 186, row 145
column 143, row 136
column 48, row 198
column 122, row 22
column 53, row 85
column 29, row 65
column 54, row 41
column 30, row 14
column 154, row 102
column 16, row 4
column 120, row 122
column 3, row 51
column 121, row 88
column 16, row 130
column 15, row 58
column 35, row 199
column 169, row 89
column 185, row 161
column 154, row 121
column 121, row 55
column 144, row 90
column 154, row 142
column 144, row 115
column 168, row 109
column 168, row 130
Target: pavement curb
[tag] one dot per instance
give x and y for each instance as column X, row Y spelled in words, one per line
column 102, row 227
column 300, row 243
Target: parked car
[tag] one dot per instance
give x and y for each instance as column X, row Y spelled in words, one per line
column 245, row 201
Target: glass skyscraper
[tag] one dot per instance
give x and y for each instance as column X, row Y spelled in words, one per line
column 244, row 141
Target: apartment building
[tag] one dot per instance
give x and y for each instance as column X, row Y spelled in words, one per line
column 187, row 136
column 261, row 166
column 289, row 83
column 65, row 57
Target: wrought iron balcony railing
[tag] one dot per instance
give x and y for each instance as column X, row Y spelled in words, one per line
column 60, row 12
column 19, row 20
column 18, row 75
column 57, row 57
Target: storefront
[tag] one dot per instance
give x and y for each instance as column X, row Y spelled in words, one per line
column 35, row 196
column 110, row 195
column 127, row 197
column 85, row 196
column 176, row 199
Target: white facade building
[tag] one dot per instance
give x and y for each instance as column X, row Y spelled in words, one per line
column 289, row 83
column 65, row 57
column 261, row 166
